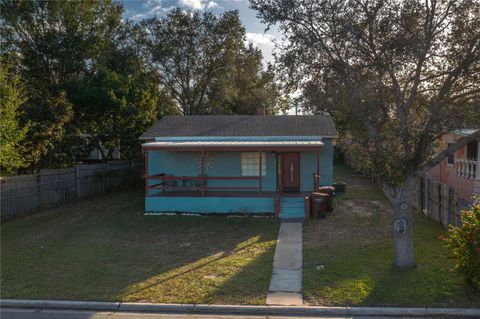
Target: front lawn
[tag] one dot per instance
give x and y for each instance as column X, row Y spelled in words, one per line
column 354, row 245
column 104, row 249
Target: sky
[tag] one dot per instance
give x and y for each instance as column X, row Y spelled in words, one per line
column 255, row 30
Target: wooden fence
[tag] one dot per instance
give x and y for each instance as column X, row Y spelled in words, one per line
column 22, row 194
column 437, row 200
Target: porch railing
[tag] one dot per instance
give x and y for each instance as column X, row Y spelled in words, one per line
column 467, row 168
column 199, row 183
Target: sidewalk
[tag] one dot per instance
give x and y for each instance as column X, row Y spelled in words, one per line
column 286, row 283
column 121, row 307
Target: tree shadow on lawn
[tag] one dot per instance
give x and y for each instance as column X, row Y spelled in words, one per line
column 240, row 276
column 103, row 249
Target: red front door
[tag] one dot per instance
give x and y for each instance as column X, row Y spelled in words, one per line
column 291, row 172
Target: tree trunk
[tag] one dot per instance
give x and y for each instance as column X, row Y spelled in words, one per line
column 402, row 236
column 402, row 226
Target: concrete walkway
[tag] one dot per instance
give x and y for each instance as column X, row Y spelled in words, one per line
column 286, row 284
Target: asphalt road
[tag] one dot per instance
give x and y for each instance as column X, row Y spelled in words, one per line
column 11, row 313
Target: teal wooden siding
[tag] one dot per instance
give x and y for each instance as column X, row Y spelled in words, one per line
column 222, row 164
column 308, row 166
column 186, row 163
column 209, row 204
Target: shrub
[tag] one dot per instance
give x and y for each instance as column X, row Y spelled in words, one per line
column 464, row 241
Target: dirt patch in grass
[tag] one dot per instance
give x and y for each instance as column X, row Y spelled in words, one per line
column 104, row 249
column 348, row 257
column 363, row 208
column 352, row 221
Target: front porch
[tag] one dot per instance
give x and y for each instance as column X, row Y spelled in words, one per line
column 234, row 178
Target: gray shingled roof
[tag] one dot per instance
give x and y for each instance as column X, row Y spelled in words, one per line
column 242, row 125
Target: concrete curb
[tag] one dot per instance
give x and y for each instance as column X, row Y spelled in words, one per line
column 59, row 304
column 239, row 310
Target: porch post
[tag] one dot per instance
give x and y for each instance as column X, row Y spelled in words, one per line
column 202, row 172
column 260, row 172
column 282, row 175
column 317, row 178
column 146, row 173
column 276, row 171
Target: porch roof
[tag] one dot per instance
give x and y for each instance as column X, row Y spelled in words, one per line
column 236, row 145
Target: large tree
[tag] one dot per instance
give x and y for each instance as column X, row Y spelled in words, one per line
column 244, row 87
column 201, row 60
column 52, row 43
column 57, row 40
column 85, row 81
column 398, row 73
column 115, row 104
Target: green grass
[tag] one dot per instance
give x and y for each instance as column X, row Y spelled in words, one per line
column 340, row 171
column 355, row 246
column 358, row 186
column 368, row 192
column 104, row 249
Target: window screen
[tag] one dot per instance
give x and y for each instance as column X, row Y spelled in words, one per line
column 250, row 163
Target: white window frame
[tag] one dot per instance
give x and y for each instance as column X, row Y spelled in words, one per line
column 249, row 163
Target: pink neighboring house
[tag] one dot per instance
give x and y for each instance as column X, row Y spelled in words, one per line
column 462, row 170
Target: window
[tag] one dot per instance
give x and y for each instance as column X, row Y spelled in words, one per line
column 472, row 151
column 250, row 163
column 451, row 157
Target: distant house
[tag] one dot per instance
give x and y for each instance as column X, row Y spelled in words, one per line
column 231, row 164
column 462, row 169
column 98, row 153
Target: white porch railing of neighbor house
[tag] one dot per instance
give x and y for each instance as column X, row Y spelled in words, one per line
column 467, row 168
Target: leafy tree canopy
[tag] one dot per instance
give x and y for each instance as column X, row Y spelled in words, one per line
column 90, row 78
column 12, row 155
column 51, row 43
column 201, row 60
column 126, row 103
column 57, row 40
column 396, row 74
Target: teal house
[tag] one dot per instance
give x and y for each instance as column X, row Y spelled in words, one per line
column 248, row 164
